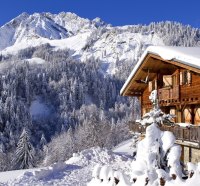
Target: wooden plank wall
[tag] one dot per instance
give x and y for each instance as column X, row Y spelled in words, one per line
column 146, row 103
column 191, row 92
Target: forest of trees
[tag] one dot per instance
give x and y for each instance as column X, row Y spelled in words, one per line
column 85, row 106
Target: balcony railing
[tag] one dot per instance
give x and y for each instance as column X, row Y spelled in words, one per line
column 190, row 134
column 168, row 93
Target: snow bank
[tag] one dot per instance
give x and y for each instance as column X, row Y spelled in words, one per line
column 125, row 148
column 94, row 165
column 9, row 176
column 75, row 171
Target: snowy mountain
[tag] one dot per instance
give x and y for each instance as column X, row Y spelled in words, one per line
column 30, row 27
column 91, row 38
column 27, row 27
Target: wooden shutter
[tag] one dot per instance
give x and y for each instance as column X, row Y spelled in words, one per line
column 150, row 86
column 155, row 82
column 189, row 77
column 181, row 78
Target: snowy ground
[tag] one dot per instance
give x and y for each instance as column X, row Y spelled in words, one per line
column 124, row 148
column 76, row 171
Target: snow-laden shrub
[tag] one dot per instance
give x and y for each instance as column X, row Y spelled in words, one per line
column 105, row 175
column 158, row 157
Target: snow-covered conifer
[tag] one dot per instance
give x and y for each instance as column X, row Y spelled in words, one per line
column 23, row 158
column 43, row 141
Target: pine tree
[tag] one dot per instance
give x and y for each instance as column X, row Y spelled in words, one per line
column 24, row 153
column 43, row 141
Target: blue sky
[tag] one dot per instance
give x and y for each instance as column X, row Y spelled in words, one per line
column 116, row 12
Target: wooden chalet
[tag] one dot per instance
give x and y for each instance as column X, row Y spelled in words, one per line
column 175, row 73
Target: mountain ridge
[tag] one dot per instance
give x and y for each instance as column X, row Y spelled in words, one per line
column 92, row 38
column 46, row 25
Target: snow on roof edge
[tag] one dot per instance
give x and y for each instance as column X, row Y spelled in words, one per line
column 134, row 71
column 186, row 55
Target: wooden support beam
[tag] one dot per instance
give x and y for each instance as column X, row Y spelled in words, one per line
column 179, row 113
column 141, row 106
column 149, row 70
column 135, row 94
column 192, row 114
column 165, row 71
column 190, row 154
column 182, row 153
column 139, row 81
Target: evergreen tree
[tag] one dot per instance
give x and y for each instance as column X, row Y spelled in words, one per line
column 43, row 141
column 23, row 158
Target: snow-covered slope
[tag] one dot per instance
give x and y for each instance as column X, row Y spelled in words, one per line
column 75, row 43
column 112, row 47
column 75, row 171
column 78, row 170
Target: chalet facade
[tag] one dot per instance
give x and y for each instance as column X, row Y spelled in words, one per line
column 175, row 73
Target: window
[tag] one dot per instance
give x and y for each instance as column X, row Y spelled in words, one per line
column 185, row 77
column 167, row 81
column 150, row 86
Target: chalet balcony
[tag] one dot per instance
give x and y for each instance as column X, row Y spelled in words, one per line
column 168, row 93
column 190, row 135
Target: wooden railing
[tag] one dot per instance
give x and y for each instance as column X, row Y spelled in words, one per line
column 190, row 134
column 168, row 93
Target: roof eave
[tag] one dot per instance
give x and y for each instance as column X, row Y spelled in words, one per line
column 134, row 71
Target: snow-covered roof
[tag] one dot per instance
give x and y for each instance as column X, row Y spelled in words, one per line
column 186, row 55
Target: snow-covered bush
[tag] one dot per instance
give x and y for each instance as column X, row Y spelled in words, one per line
column 158, row 157
column 157, row 153
column 105, row 175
